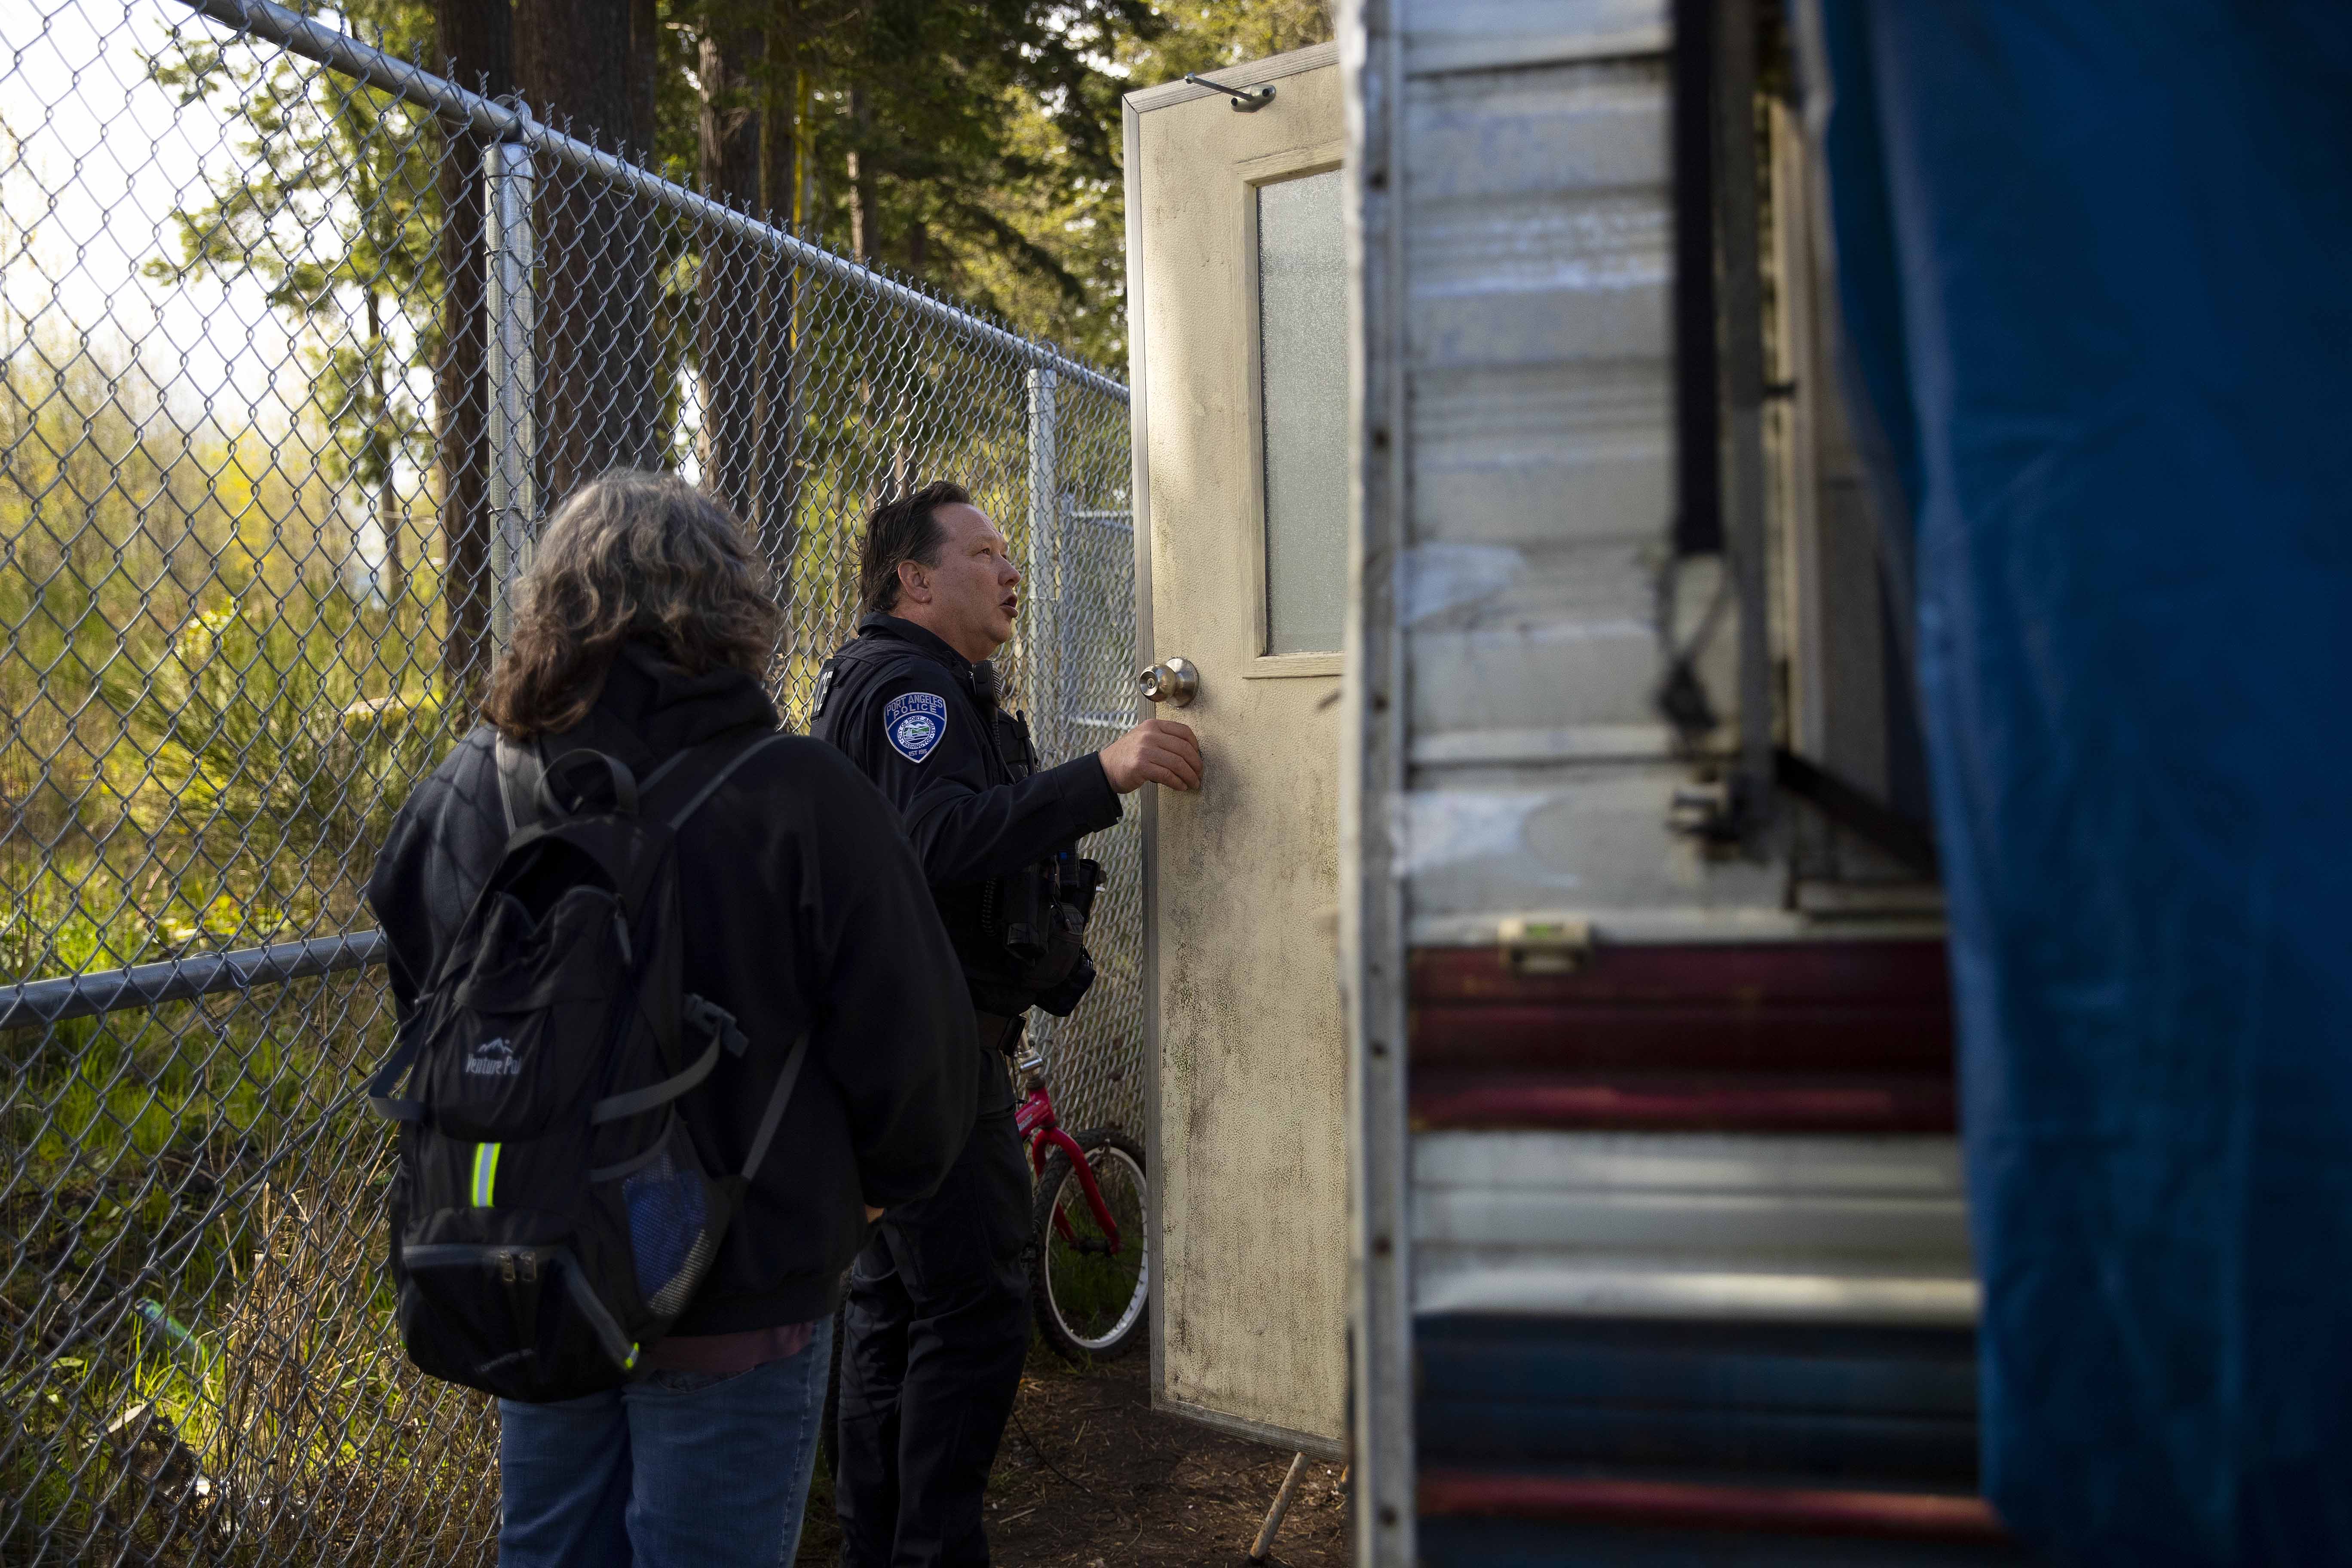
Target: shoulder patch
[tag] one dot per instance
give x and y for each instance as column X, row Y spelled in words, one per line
column 913, row 722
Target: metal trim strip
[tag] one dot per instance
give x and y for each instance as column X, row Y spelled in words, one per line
column 1148, row 825
column 1255, row 1431
column 1516, row 1290
column 1683, row 1505
column 1630, row 1102
column 1374, row 976
column 1681, row 927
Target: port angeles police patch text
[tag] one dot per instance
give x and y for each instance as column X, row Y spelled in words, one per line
column 913, row 723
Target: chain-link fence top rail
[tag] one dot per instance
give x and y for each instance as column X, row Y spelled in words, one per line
column 300, row 343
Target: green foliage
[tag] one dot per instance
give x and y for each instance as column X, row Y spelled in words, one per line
column 1202, row 35
column 120, row 524
column 1069, row 202
column 329, row 198
column 1085, row 223
column 316, row 156
column 254, row 723
column 989, row 129
column 1025, row 111
column 179, row 630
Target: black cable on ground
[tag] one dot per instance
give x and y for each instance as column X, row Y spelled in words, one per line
column 1037, row 1449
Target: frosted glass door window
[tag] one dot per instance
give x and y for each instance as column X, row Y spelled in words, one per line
column 1303, row 359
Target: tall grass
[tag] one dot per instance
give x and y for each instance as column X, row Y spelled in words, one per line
column 207, row 733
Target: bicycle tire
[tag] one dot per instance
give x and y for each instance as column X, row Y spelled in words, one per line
column 1092, row 1306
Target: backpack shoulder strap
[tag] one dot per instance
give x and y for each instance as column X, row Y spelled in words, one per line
column 407, row 1045
column 786, row 1078
column 521, row 770
column 710, row 787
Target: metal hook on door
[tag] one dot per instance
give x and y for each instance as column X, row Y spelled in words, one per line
column 1246, row 99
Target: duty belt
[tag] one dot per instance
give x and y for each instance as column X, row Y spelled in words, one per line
column 1004, row 1033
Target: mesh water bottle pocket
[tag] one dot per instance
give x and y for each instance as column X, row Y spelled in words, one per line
column 673, row 1230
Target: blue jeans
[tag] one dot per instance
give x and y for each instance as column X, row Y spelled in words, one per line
column 681, row 1469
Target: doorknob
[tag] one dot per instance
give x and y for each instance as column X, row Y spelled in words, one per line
column 1175, row 682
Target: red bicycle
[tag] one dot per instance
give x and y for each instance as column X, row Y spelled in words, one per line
column 1091, row 1279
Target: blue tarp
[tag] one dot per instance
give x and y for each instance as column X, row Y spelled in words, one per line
column 2095, row 266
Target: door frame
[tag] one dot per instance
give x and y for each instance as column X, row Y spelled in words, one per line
column 1136, row 105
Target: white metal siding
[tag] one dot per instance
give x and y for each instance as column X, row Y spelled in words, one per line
column 1686, row 1225
column 1538, row 258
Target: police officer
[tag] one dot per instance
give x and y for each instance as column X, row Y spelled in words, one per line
column 937, row 1315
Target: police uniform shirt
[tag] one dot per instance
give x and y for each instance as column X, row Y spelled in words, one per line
column 973, row 802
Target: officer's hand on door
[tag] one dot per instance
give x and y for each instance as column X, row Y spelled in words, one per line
column 1157, row 750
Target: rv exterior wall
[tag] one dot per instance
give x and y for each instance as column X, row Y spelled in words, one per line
column 1627, row 1109
column 1538, row 606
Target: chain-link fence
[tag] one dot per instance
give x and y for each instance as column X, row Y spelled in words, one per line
column 301, row 343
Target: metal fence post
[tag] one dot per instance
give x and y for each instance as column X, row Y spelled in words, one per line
column 1068, row 659
column 1042, row 645
column 513, row 321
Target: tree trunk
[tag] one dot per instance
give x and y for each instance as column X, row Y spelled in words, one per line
column 395, row 573
column 779, row 128
column 475, row 44
column 781, row 153
column 745, row 337
column 384, row 445
column 574, row 64
column 728, row 161
column 865, row 223
column 864, row 237
column 643, row 72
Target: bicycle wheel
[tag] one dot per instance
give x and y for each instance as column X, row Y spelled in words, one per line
column 1090, row 1299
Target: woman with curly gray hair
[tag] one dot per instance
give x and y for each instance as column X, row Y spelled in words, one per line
column 642, row 631
column 632, row 557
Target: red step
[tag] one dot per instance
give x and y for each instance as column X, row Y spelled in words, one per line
column 1790, row 1037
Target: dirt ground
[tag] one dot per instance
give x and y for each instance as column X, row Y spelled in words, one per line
column 1091, row 1477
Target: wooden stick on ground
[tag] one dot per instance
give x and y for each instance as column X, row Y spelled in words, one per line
column 1273, row 1525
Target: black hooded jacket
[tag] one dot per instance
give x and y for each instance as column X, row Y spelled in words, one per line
column 803, row 909
column 972, row 808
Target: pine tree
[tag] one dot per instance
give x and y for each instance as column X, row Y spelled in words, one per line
column 332, row 200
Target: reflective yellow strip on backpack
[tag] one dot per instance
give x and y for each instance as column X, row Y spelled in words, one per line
column 486, row 1173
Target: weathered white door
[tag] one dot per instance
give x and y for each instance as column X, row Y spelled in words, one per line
column 1236, row 278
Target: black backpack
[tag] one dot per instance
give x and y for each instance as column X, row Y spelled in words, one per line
column 551, row 1214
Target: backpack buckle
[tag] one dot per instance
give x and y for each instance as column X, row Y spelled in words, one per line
column 716, row 1022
